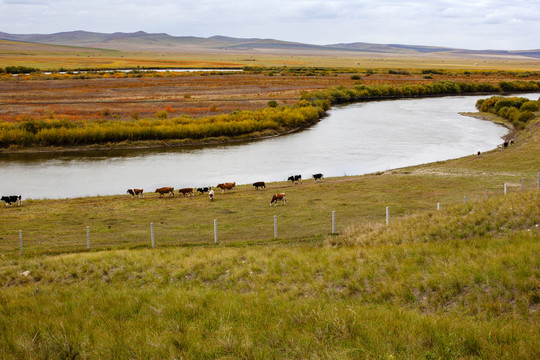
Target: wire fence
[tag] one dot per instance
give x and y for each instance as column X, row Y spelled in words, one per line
column 264, row 227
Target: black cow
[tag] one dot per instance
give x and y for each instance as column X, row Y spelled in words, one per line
column 11, row 199
column 259, row 184
column 318, row 176
column 204, row 189
column 293, row 178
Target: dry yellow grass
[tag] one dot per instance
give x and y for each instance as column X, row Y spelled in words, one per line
column 54, row 57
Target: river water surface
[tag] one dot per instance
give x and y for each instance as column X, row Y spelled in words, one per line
column 353, row 140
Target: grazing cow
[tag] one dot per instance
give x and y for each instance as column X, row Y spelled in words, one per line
column 204, row 189
column 478, row 153
column 505, row 144
column 278, row 197
column 293, row 178
column 164, row 190
column 138, row 192
column 226, row 186
column 259, row 184
column 186, row 191
column 11, row 199
column 211, row 195
column 318, row 176
column 511, row 142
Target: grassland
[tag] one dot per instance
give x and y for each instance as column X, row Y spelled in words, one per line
column 67, row 57
column 459, row 283
column 462, row 282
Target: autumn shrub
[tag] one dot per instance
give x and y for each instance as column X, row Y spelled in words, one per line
column 162, row 114
column 272, row 103
column 20, row 69
column 529, row 106
column 61, row 132
column 517, row 110
column 342, row 94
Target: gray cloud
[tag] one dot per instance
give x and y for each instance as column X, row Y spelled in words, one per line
column 469, row 24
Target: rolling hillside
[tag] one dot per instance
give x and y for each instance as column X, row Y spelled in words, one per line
column 163, row 42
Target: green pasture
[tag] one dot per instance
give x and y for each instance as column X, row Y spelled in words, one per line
column 462, row 282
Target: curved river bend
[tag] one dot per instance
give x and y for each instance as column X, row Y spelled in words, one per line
column 353, row 140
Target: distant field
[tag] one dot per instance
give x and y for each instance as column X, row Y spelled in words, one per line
column 122, row 96
column 56, row 57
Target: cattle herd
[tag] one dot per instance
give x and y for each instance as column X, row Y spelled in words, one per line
column 259, row 185
column 162, row 191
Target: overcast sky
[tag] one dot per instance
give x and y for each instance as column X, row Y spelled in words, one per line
column 469, row 24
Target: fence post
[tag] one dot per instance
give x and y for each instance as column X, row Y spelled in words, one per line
column 88, row 237
column 333, row 222
column 152, row 234
column 522, row 184
column 275, row 227
column 215, row 231
column 539, row 179
column 438, row 206
column 387, row 215
column 465, row 199
column 486, row 194
column 20, row 241
column 504, row 188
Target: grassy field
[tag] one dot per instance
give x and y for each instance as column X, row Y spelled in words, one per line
column 120, row 96
column 461, row 282
column 66, row 57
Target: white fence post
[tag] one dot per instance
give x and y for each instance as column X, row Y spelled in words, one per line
column 88, row 237
column 333, row 222
column 152, row 234
column 275, row 227
column 504, row 188
column 215, row 231
column 438, row 206
column 20, row 241
column 387, row 215
column 465, row 199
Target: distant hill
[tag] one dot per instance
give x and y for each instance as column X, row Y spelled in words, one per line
column 143, row 41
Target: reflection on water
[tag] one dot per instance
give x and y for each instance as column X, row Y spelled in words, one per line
column 354, row 139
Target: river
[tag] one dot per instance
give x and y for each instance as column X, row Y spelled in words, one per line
column 352, row 140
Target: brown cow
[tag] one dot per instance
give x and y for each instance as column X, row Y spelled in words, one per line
column 259, row 184
column 138, row 192
column 164, row 190
column 186, row 191
column 278, row 197
column 226, row 186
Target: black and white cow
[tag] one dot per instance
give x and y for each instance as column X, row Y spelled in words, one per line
column 202, row 190
column 12, row 199
column 293, row 178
